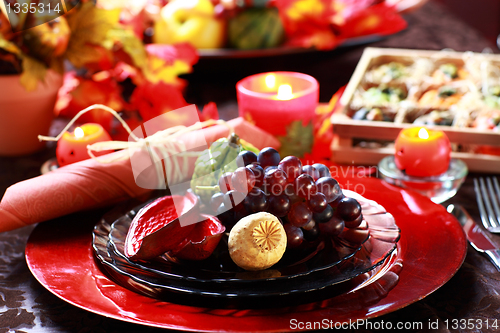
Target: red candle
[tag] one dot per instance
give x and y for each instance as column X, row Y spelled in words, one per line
column 421, row 152
column 274, row 100
column 72, row 146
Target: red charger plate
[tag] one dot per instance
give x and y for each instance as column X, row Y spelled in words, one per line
column 60, row 257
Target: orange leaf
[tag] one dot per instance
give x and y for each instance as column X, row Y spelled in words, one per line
column 209, row 112
column 378, row 19
column 154, row 99
column 166, row 62
column 308, row 23
column 87, row 92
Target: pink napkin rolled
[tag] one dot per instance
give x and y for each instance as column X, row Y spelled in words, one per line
column 92, row 184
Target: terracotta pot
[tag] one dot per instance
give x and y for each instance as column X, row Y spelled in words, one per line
column 26, row 114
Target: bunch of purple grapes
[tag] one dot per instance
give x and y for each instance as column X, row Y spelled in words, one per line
column 306, row 198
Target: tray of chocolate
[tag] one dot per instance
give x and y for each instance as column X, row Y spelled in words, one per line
column 391, row 89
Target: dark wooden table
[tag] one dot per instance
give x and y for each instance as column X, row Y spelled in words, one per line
column 473, row 293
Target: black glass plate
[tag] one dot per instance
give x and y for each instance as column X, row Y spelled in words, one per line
column 326, row 264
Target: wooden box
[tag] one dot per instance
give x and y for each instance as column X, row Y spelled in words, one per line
column 349, row 132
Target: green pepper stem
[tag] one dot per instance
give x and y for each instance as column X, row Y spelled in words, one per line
column 234, row 139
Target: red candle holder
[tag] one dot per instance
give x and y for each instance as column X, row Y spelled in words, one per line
column 423, row 163
column 72, row 146
column 421, row 152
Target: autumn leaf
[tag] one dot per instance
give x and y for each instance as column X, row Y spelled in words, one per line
column 320, row 39
column 89, row 25
column 5, row 25
column 154, row 99
column 167, row 62
column 308, row 23
column 10, row 57
column 306, row 9
column 298, row 140
column 130, row 43
column 105, row 61
column 79, row 93
column 158, row 70
column 209, row 112
column 180, row 51
column 9, row 46
column 378, row 19
column 33, row 71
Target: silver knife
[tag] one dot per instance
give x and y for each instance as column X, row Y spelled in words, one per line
column 478, row 238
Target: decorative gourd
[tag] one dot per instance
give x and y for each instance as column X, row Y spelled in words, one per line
column 255, row 28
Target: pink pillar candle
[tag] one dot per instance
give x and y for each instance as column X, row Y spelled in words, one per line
column 274, row 100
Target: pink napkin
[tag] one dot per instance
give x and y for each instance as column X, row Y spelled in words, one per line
column 91, row 184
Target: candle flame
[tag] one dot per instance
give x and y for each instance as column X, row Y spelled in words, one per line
column 423, row 134
column 285, row 92
column 79, row 133
column 270, row 80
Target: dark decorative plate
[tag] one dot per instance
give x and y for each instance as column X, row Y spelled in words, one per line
column 324, row 265
column 281, row 50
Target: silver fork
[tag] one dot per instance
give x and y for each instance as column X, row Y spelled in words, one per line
column 488, row 196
